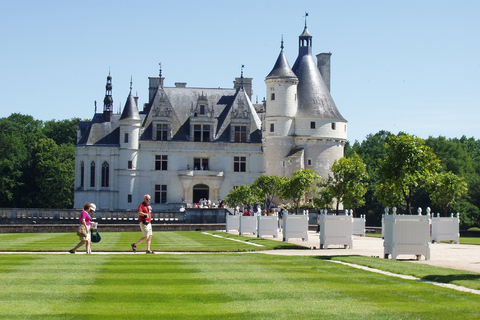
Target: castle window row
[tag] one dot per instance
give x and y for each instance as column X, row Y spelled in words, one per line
column 105, row 178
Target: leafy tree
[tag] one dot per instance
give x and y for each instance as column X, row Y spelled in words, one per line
column 53, row 177
column 371, row 150
column 452, row 155
column 445, row 188
column 267, row 187
column 241, row 195
column 325, row 199
column 13, row 156
column 62, row 131
column 295, row 187
column 29, row 160
column 408, row 164
column 348, row 183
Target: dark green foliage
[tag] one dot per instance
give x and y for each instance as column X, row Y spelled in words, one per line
column 459, row 156
column 36, row 162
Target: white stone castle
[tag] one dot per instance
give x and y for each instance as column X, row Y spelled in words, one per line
column 192, row 143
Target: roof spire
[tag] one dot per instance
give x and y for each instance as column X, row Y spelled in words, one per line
column 160, row 72
column 108, row 100
column 306, row 15
column 131, row 84
column 241, row 76
column 282, row 43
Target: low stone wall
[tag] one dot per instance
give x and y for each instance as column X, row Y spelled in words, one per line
column 72, row 228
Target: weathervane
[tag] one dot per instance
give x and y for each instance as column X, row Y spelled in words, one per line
column 306, row 15
column 160, row 72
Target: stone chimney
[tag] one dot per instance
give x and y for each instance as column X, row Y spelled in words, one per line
column 323, row 65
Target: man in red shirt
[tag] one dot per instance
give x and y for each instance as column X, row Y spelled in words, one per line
column 145, row 218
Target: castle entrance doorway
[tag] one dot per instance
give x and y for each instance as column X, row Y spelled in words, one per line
column 200, row 191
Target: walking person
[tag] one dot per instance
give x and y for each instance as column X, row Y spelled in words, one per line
column 85, row 220
column 145, row 219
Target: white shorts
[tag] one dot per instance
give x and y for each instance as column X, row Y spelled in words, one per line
column 146, row 229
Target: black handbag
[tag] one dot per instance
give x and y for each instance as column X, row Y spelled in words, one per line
column 96, row 237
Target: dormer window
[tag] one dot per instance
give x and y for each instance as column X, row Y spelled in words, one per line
column 240, row 133
column 201, row 132
column 161, row 132
column 202, row 109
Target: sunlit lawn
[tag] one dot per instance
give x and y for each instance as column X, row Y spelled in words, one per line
column 214, row 286
column 192, row 241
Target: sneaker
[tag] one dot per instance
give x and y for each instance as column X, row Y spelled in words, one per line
column 134, row 248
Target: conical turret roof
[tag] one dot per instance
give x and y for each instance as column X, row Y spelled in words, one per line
column 130, row 111
column 281, row 69
column 314, row 99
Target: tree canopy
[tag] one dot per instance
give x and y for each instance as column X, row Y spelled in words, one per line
column 409, row 162
column 37, row 162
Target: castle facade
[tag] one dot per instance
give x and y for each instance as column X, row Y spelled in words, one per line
column 192, row 143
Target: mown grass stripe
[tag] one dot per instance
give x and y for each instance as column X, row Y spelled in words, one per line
column 212, row 286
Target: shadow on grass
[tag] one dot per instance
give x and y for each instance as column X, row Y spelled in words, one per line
column 290, row 247
column 451, row 277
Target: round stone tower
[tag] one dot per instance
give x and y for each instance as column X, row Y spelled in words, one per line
column 281, row 108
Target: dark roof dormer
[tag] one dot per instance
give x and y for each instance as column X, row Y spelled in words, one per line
column 201, row 108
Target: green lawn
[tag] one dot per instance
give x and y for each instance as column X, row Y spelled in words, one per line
column 214, row 286
column 191, row 241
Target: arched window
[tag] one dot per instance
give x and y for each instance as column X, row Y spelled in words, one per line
column 92, row 174
column 82, row 174
column 105, row 174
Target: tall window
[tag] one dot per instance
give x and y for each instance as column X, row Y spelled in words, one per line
column 92, row 174
column 202, row 109
column 129, row 198
column 161, row 162
column 201, row 132
column 272, row 127
column 240, row 133
column 129, row 164
column 239, row 164
column 272, row 96
column 200, row 163
column 312, row 125
column 105, row 174
column 162, row 131
column 125, row 139
column 82, row 174
column 333, row 126
column 160, row 193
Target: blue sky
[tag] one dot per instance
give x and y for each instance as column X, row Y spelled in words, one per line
column 411, row 66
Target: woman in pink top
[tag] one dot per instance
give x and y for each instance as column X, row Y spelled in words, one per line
column 85, row 220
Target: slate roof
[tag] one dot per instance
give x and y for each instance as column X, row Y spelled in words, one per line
column 130, row 111
column 281, row 69
column 314, row 99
